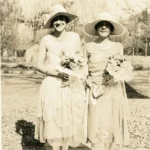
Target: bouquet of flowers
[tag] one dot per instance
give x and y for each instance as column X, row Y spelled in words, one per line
column 117, row 69
column 75, row 67
column 72, row 62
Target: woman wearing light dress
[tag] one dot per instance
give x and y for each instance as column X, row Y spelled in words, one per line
column 108, row 106
column 61, row 109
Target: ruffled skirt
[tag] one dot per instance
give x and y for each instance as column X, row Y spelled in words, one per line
column 107, row 119
column 60, row 113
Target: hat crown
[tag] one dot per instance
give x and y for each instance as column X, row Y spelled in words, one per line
column 57, row 9
column 106, row 16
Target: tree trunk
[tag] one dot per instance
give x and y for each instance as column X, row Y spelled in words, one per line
column 137, row 47
column 146, row 47
column 34, row 35
column 34, row 29
column 132, row 55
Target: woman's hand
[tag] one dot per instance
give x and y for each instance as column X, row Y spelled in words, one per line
column 65, row 79
column 63, row 76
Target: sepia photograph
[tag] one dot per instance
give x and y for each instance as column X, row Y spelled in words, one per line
column 75, row 74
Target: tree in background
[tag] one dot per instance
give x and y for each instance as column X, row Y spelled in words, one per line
column 132, row 40
column 138, row 31
column 36, row 12
column 9, row 14
column 144, row 18
column 37, row 16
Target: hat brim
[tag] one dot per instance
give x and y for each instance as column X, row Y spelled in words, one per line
column 89, row 28
column 71, row 17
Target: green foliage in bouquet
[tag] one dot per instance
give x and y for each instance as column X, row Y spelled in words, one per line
column 107, row 79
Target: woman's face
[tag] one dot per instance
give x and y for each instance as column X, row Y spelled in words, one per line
column 59, row 23
column 104, row 29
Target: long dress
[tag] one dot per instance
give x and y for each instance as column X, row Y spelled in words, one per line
column 107, row 118
column 60, row 110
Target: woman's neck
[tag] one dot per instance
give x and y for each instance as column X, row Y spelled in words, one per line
column 59, row 34
column 104, row 43
column 103, row 40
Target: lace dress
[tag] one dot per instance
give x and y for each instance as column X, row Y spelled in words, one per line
column 107, row 118
column 60, row 110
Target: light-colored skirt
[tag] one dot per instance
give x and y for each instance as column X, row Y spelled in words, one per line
column 60, row 113
column 107, row 119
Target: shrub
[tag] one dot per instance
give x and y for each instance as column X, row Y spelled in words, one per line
column 138, row 67
column 7, row 60
column 6, row 70
column 3, row 66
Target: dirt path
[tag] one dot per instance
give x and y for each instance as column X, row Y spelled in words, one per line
column 19, row 96
column 19, row 99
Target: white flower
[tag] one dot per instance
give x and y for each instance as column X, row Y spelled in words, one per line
column 119, row 68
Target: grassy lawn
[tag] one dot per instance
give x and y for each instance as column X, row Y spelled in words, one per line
column 19, row 100
column 139, row 87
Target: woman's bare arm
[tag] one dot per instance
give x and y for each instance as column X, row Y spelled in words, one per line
column 41, row 66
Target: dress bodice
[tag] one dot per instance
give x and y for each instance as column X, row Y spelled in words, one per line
column 54, row 47
column 98, row 58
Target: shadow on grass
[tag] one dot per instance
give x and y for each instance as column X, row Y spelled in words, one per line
column 26, row 130
column 132, row 93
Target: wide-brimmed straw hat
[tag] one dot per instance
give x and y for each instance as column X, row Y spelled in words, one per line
column 58, row 10
column 89, row 28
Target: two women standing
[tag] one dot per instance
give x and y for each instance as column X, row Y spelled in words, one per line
column 62, row 104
